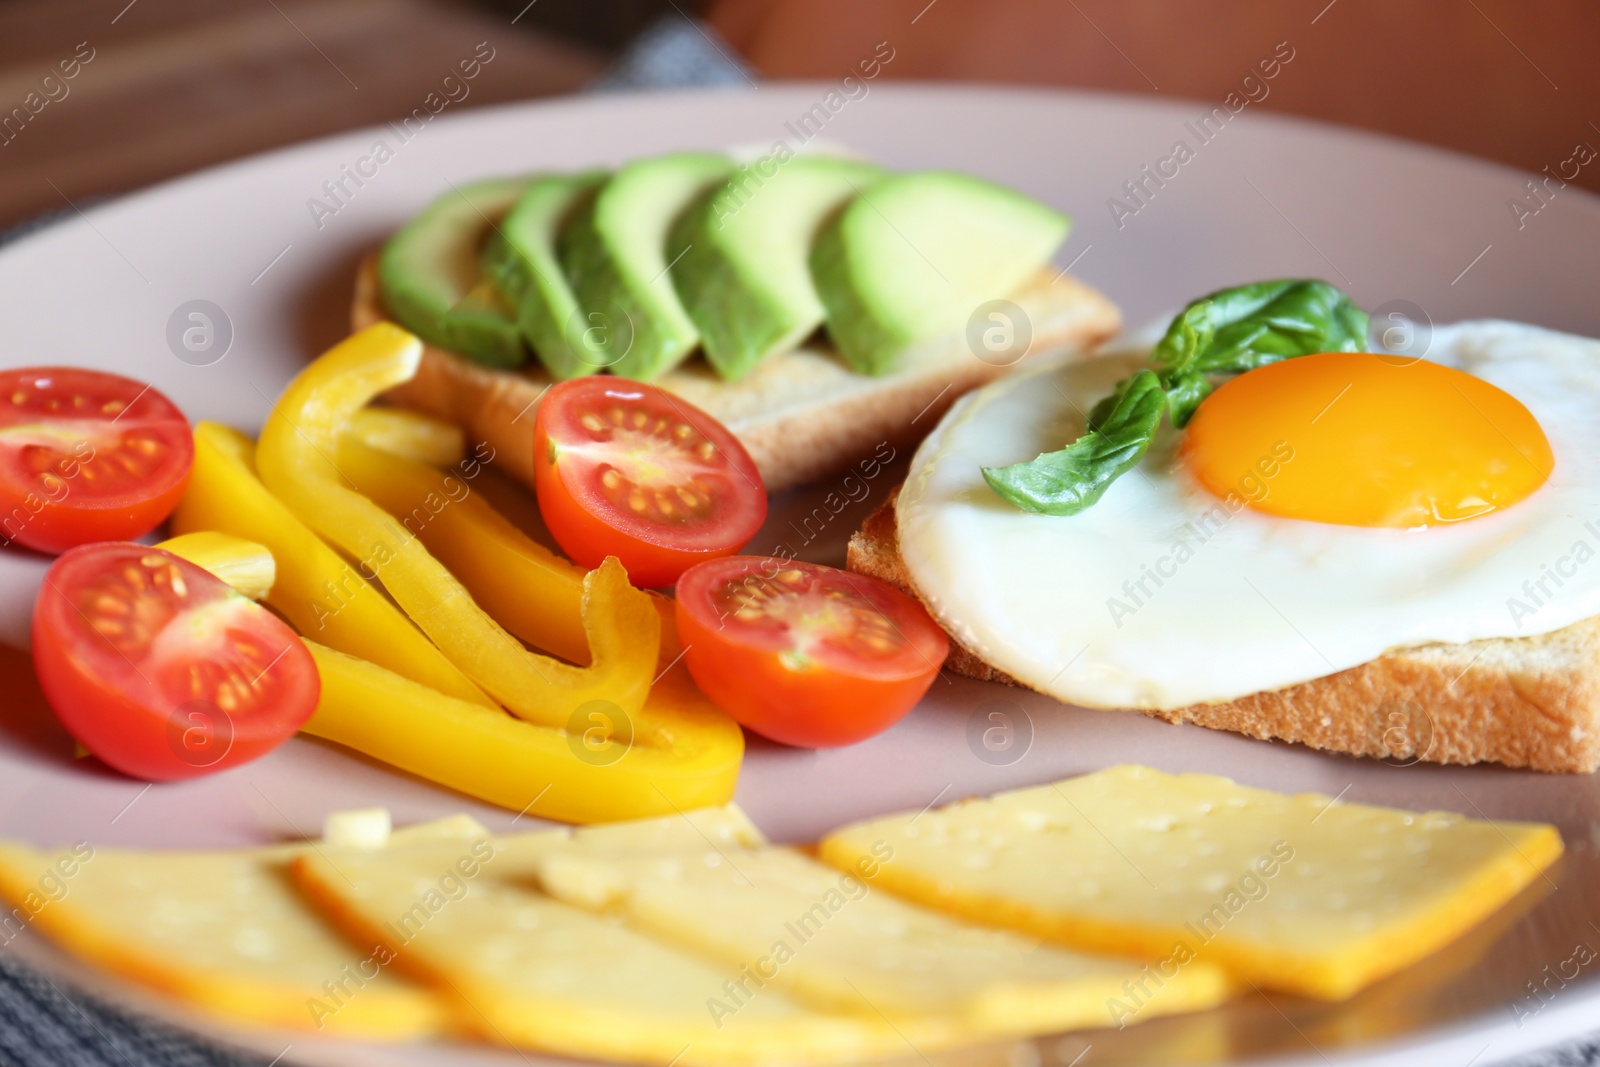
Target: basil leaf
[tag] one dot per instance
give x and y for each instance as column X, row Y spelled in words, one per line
column 1067, row 481
column 1184, row 394
column 1194, row 332
column 1240, row 329
column 1190, row 334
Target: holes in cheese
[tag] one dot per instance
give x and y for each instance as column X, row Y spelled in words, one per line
column 1293, row 893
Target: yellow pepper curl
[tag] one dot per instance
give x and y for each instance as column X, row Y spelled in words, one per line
column 297, row 458
column 320, row 594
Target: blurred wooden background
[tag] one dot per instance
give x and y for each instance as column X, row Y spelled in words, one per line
column 1507, row 79
column 178, row 84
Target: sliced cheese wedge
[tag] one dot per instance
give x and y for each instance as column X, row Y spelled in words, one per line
column 526, row 970
column 1296, row 893
column 224, row 931
column 776, row 919
column 595, row 885
column 726, row 826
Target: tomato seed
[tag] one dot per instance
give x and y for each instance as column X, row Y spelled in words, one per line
column 111, row 605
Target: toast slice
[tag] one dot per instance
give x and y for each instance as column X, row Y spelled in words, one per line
column 802, row 415
column 1529, row 702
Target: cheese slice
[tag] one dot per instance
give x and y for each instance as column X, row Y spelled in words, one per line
column 224, row 931
column 358, row 828
column 776, row 919
column 1295, row 893
column 720, row 827
column 524, row 969
column 592, row 885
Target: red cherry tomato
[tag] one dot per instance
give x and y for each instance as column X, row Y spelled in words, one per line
column 162, row 670
column 807, row 655
column 86, row 456
column 623, row 469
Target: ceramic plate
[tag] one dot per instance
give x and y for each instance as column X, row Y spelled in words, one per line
column 1421, row 233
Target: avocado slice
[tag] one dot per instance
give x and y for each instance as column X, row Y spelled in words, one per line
column 614, row 254
column 431, row 282
column 742, row 256
column 520, row 258
column 916, row 254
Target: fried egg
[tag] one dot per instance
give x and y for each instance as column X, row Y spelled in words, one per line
column 1314, row 514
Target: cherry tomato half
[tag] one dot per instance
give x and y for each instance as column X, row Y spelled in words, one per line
column 807, row 655
column 623, row 469
column 86, row 456
column 160, row 669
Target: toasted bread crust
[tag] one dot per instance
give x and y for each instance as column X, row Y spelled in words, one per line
column 802, row 415
column 1529, row 702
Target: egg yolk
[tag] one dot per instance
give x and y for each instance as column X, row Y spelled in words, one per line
column 1365, row 440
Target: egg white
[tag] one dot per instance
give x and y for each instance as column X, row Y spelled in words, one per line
column 1153, row 598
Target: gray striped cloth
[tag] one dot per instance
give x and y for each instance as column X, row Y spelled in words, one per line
column 44, row 1025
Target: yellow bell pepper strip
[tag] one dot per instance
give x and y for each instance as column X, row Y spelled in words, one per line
column 415, row 436
column 683, row 753
column 296, row 456
column 320, row 594
column 246, row 566
column 679, row 752
column 530, row 590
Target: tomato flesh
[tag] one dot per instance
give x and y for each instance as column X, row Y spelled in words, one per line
column 803, row 654
column 624, row 469
column 160, row 669
column 86, row 456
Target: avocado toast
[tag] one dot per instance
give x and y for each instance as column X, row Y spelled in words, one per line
column 818, row 306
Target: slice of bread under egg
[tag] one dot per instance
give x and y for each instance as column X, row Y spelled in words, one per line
column 1525, row 702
